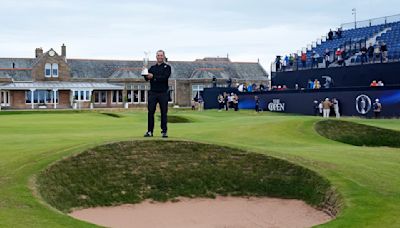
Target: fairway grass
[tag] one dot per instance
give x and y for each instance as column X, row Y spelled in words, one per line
column 368, row 178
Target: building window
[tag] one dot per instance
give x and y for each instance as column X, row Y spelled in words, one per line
column 135, row 96
column 143, row 96
column 5, row 98
column 116, row 96
column 51, row 70
column 54, row 70
column 82, row 95
column 100, row 97
column 41, row 97
column 138, row 94
column 196, row 89
column 47, row 70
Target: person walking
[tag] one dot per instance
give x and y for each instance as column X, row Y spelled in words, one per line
column 158, row 77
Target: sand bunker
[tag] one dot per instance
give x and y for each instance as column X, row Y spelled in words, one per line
column 222, row 212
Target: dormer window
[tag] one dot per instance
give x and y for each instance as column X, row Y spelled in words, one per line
column 54, row 70
column 51, row 70
column 47, row 70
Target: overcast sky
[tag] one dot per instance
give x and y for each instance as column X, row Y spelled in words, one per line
column 123, row 29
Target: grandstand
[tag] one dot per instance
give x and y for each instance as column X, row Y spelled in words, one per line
column 354, row 36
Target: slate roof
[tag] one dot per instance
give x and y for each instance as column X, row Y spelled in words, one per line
column 123, row 69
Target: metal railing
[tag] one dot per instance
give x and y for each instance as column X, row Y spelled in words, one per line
column 371, row 22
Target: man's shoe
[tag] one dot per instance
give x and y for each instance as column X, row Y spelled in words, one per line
column 164, row 134
column 148, row 134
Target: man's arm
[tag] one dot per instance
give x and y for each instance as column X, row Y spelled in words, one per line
column 150, row 75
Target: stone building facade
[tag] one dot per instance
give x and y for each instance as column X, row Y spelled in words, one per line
column 52, row 81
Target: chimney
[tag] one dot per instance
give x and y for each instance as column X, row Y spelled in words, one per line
column 38, row 52
column 64, row 51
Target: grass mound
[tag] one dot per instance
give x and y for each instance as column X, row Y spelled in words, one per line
column 130, row 172
column 357, row 134
column 176, row 119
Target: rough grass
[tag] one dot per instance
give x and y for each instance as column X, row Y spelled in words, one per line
column 358, row 134
column 129, row 172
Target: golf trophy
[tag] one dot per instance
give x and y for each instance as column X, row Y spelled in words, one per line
column 145, row 70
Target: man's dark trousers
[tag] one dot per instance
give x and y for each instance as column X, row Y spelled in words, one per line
column 162, row 99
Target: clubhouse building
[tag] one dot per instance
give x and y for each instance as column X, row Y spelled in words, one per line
column 52, row 81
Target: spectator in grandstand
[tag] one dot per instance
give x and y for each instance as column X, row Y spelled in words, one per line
column 363, row 54
column 370, row 52
column 344, row 56
column 377, row 106
column 285, row 63
column 380, row 83
column 377, row 53
column 317, row 84
column 335, row 103
column 257, row 101
column 339, row 33
column 229, row 82
column 327, row 57
column 384, row 52
column 373, row 84
column 303, row 59
column 330, row 35
column 240, row 87
column 249, row 88
column 221, row 102
column 214, row 82
column 339, row 56
column 310, row 84
column 327, row 107
column 278, row 63
column 254, row 87
column 314, row 59
column 291, row 60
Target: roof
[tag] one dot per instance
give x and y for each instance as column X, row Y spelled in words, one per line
column 126, row 69
column 60, row 86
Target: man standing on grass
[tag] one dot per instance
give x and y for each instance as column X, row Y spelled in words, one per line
column 158, row 77
column 377, row 108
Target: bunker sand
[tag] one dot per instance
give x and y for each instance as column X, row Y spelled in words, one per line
column 222, row 212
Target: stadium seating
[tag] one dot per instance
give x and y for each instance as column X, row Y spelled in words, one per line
column 358, row 35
